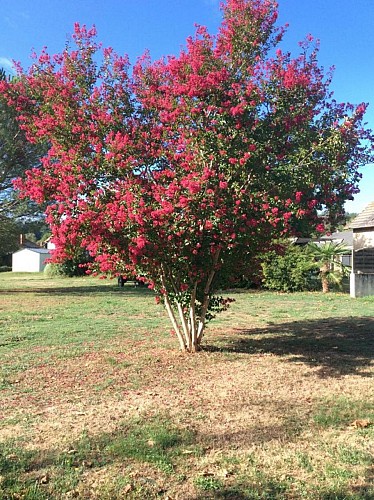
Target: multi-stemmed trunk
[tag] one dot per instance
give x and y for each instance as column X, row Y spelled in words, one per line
column 187, row 323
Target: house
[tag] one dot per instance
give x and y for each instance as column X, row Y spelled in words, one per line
column 30, row 260
column 362, row 277
column 25, row 243
column 49, row 244
column 344, row 238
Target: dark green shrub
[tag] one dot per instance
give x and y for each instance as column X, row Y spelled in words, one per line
column 75, row 266
column 293, row 270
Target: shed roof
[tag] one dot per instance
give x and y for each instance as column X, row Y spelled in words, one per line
column 37, row 250
column 365, row 218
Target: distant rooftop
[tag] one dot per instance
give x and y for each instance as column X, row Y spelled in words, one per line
column 346, row 237
column 25, row 243
column 365, row 218
column 37, row 250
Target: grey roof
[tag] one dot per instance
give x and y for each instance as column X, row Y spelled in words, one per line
column 365, row 218
column 29, row 244
column 37, row 250
column 345, row 237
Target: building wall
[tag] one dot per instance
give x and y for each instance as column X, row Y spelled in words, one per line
column 43, row 258
column 363, row 238
column 361, row 285
column 362, row 277
column 27, row 261
column 363, row 250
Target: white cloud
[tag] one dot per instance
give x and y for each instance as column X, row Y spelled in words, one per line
column 14, row 18
column 11, row 24
column 7, row 64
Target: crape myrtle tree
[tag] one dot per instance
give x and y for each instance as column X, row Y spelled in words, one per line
column 184, row 168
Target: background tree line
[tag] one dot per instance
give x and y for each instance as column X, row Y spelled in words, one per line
column 17, row 154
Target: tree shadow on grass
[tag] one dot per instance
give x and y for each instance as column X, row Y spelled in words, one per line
column 275, row 489
column 154, row 448
column 338, row 346
column 132, row 290
column 226, row 494
column 150, row 445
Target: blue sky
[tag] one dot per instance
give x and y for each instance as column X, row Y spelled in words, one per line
column 344, row 27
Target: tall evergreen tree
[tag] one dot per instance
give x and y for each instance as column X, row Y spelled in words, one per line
column 17, row 155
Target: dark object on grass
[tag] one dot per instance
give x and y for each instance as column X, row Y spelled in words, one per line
column 137, row 281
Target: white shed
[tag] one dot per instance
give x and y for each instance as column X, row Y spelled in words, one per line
column 30, row 260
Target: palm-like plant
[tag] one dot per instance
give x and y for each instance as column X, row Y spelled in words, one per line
column 328, row 258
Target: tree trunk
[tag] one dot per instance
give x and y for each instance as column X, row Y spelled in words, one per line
column 325, row 284
column 324, row 278
column 188, row 327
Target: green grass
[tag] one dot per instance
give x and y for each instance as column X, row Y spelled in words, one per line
column 96, row 401
column 343, row 411
column 54, row 319
column 157, row 442
column 208, row 483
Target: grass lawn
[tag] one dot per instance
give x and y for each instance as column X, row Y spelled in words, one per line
column 96, row 402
